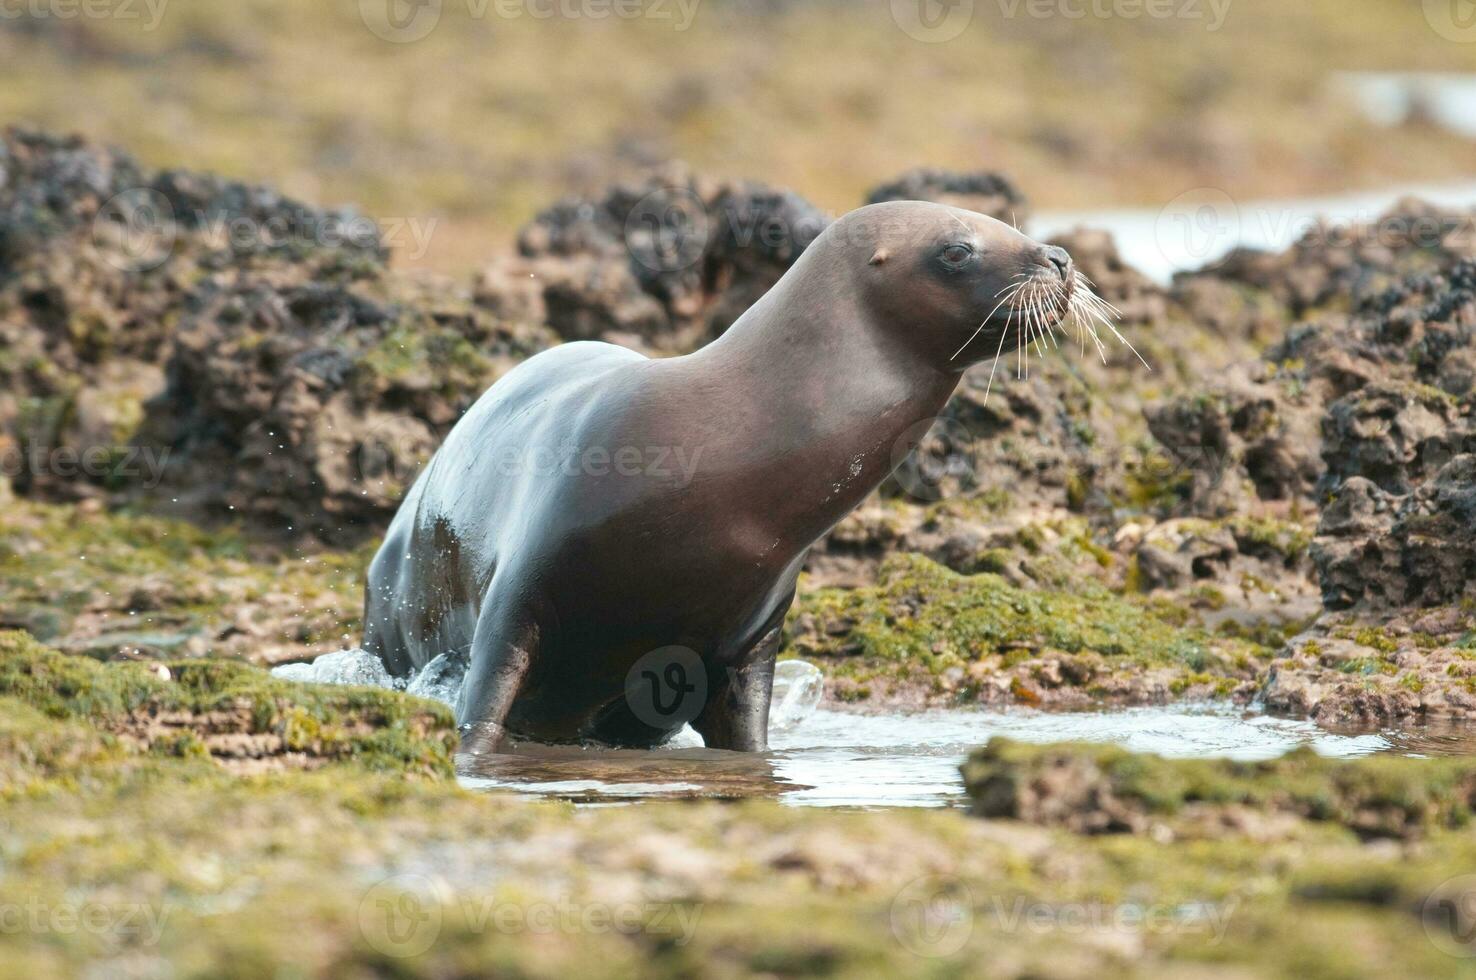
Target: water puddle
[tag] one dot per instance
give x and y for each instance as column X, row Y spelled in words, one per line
column 845, row 759
column 828, row 758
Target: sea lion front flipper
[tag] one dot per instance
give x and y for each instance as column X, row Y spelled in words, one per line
column 737, row 712
column 503, row 649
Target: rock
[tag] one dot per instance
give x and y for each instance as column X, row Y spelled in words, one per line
column 1105, row 789
column 1139, row 299
column 1379, row 549
column 97, row 258
column 987, row 193
column 1366, row 385
column 278, row 390
column 673, row 259
column 1350, row 264
column 1395, row 434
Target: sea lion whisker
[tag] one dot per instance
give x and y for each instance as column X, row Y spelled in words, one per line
column 1000, row 350
column 1106, row 312
column 1082, row 312
column 1037, row 318
column 1095, row 317
column 1032, row 325
column 1013, row 289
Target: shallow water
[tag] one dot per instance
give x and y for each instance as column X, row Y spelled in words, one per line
column 820, row 757
column 835, row 758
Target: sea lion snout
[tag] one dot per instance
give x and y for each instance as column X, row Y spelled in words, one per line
column 1055, row 259
column 1054, row 267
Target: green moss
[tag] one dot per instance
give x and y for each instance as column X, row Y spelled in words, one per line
column 923, row 614
column 1156, row 483
column 1261, row 536
column 373, row 728
column 1373, row 796
column 81, row 580
column 1376, row 639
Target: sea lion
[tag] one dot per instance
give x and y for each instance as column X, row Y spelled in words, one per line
column 600, row 522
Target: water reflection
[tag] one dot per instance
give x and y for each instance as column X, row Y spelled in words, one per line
column 845, row 759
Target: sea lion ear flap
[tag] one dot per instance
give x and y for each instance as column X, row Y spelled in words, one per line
column 880, row 256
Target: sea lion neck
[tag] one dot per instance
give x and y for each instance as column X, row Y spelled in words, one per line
column 818, row 400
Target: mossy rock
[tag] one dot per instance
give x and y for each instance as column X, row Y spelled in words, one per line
column 1097, row 788
column 237, row 714
column 922, row 613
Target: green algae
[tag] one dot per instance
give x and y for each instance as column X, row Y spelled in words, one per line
column 923, row 614
column 1377, row 796
column 182, row 865
column 375, row 729
column 76, row 579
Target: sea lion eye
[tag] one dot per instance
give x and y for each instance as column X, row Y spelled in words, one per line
column 956, row 255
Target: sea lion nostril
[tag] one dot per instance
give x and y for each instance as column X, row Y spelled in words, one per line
column 1055, row 257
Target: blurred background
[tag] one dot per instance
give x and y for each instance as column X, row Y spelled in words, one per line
column 480, row 112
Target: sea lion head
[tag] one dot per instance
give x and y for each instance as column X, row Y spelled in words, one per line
column 960, row 287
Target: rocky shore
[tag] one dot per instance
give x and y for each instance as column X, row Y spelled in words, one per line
column 222, row 393
column 204, row 819
column 212, row 397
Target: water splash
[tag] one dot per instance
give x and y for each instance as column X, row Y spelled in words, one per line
column 440, row 679
column 341, row 667
column 798, row 685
